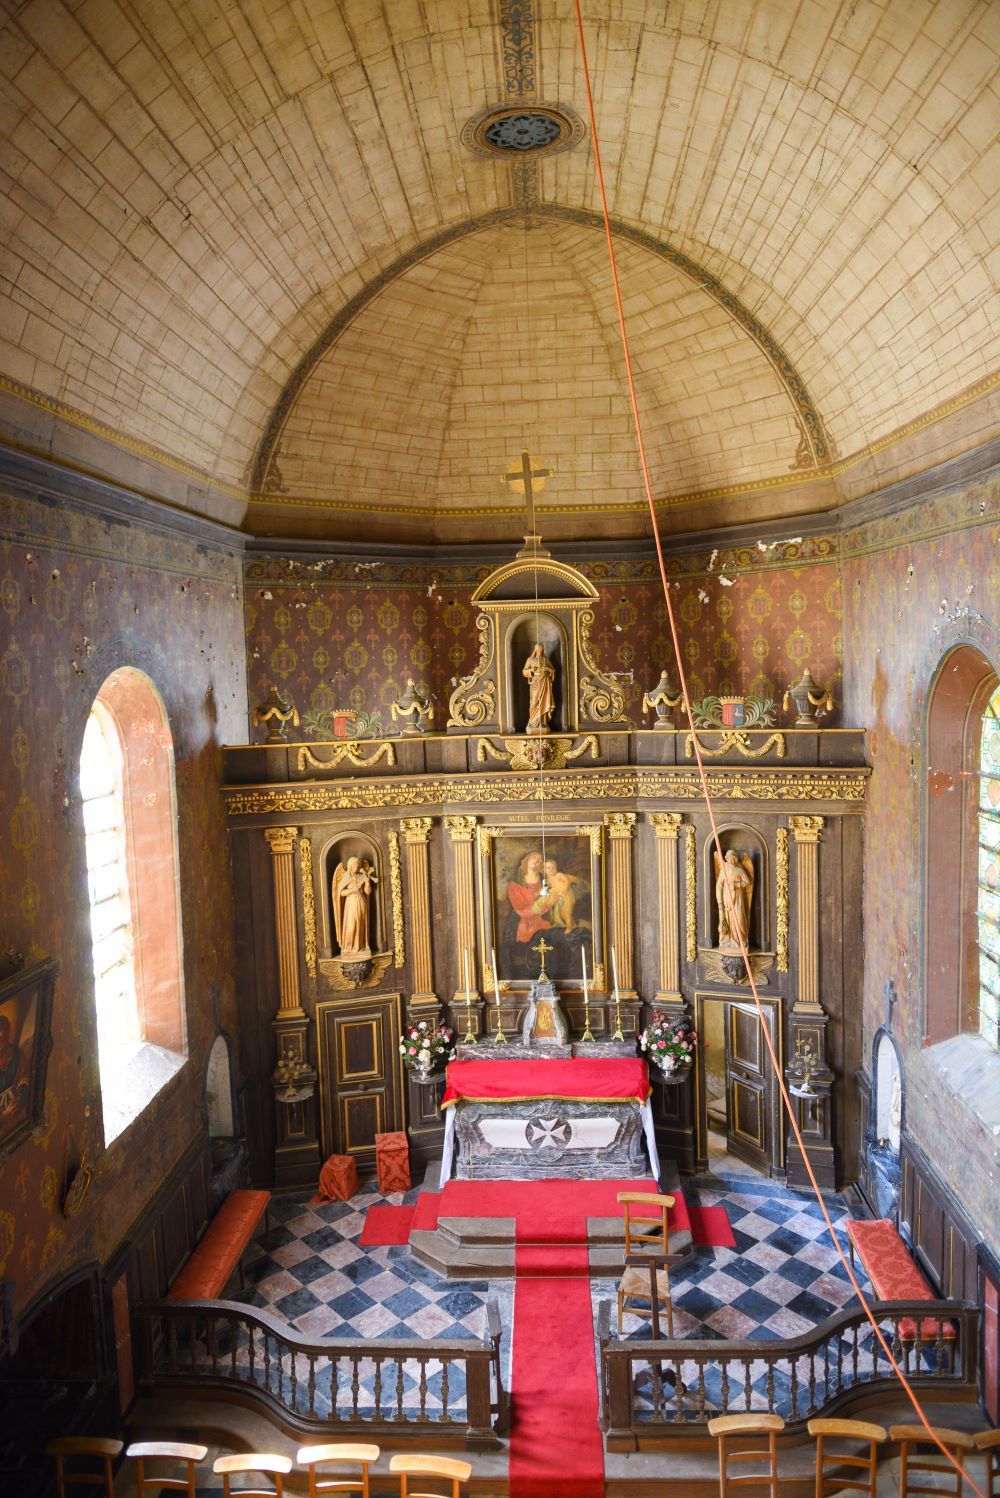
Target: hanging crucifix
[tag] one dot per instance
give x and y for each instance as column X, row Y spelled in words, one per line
column 524, row 475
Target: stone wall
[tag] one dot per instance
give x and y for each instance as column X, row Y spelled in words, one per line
column 81, row 593
column 914, row 583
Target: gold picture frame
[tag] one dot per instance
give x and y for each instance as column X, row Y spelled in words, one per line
column 514, row 917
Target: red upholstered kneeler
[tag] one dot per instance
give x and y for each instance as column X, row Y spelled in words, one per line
column 338, row 1179
column 392, row 1160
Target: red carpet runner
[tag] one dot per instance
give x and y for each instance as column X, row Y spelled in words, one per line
column 556, row 1448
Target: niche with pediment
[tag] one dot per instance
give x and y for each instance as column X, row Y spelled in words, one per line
column 530, row 601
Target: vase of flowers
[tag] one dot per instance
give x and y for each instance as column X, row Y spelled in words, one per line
column 425, row 1046
column 669, row 1046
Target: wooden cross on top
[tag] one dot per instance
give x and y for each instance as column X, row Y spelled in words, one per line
column 542, row 947
column 524, row 476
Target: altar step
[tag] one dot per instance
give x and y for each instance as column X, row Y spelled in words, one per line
column 464, row 1248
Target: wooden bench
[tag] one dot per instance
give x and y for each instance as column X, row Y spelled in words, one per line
column 895, row 1276
column 206, row 1272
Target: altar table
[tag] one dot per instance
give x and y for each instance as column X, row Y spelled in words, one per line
column 528, row 1120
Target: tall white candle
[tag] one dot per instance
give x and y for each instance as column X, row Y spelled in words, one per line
column 583, row 959
column 468, row 988
column 496, row 976
column 614, row 969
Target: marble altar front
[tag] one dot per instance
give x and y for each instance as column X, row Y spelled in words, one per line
column 536, row 1133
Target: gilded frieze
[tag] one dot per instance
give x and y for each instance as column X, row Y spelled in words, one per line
column 617, row 783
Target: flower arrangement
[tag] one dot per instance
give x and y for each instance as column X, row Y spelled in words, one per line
column 423, row 1045
column 668, row 1043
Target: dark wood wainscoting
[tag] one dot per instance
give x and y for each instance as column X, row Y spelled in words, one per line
column 933, row 1220
column 360, row 1080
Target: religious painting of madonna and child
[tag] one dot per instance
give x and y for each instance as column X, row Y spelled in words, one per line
column 543, row 893
column 25, row 1008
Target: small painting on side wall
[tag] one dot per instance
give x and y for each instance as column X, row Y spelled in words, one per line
column 25, row 1041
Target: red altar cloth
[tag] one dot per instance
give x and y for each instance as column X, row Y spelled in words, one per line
column 614, row 1079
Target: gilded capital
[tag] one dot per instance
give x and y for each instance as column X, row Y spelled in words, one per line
column 806, row 829
column 667, row 823
column 416, row 829
column 461, row 829
column 280, row 839
column 620, row 824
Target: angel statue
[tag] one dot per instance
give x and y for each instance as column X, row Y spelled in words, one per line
column 351, row 889
column 734, row 876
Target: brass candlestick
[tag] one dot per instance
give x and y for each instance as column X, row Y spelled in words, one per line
column 499, row 1038
column 588, row 1034
column 469, row 1039
column 619, row 1033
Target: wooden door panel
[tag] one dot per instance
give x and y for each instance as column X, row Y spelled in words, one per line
column 749, row 1086
column 360, row 1085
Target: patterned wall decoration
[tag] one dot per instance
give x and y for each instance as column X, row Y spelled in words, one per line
column 347, row 634
column 912, row 582
column 77, row 594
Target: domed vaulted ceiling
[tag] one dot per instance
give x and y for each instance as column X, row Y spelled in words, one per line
column 264, row 248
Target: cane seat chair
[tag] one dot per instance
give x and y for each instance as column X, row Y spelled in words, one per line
column 417, row 1467
column 173, row 1453
column 645, row 1229
column 339, row 1455
column 833, row 1467
column 732, row 1432
column 914, row 1466
column 989, row 1441
column 97, row 1451
column 255, row 1462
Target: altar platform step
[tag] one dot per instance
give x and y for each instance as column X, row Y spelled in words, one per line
column 463, row 1248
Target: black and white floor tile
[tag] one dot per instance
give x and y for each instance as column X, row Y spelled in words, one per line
column 782, row 1278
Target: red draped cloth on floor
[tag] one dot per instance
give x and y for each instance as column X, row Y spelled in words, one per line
column 609, row 1080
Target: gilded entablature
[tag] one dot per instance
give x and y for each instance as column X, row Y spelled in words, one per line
column 617, row 784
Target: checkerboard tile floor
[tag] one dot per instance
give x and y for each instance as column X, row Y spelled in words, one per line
column 782, row 1278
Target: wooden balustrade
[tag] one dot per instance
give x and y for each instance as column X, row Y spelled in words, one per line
column 434, row 1389
column 652, row 1392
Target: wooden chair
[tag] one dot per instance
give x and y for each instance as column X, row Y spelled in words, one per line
column 989, row 1441
column 833, row 1480
column 724, row 1428
column 646, row 1228
column 957, row 1442
column 175, row 1452
column 340, row 1454
column 429, row 1466
column 93, row 1448
column 253, row 1461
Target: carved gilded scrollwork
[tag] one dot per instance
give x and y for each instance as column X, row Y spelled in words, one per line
column 734, row 740
column 595, row 831
column 781, row 877
column 690, row 894
column 308, row 904
column 539, row 753
column 473, row 702
column 396, row 893
column 352, row 752
column 600, row 699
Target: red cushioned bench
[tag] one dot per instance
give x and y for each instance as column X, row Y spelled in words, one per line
column 206, row 1272
column 895, row 1276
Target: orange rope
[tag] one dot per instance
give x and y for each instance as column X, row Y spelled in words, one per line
column 704, row 779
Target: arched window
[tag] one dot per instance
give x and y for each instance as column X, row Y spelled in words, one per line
column 127, row 789
column 962, row 850
column 988, row 874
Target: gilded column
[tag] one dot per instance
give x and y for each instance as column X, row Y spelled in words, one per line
column 806, row 832
column 416, row 834
column 462, row 831
column 668, row 826
column 620, row 825
column 281, row 841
